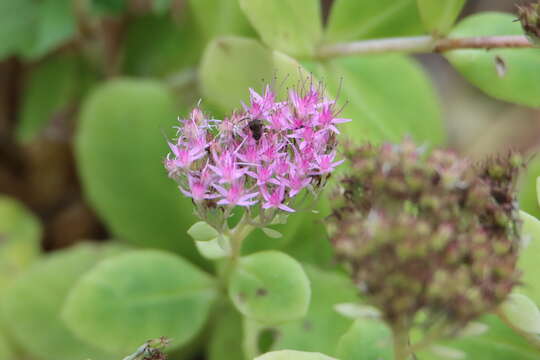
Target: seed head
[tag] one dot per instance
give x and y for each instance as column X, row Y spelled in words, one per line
column 428, row 234
column 529, row 16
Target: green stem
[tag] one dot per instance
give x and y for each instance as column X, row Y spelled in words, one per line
column 401, row 344
column 420, row 44
column 236, row 238
column 250, row 344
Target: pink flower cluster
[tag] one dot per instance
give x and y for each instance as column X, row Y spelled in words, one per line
column 260, row 157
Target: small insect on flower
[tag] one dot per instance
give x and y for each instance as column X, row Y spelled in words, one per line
column 260, row 157
column 257, row 128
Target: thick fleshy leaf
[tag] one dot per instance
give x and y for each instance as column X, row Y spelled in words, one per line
column 521, row 82
column 291, row 26
column 56, row 24
column 528, row 197
column 270, row 287
column 322, row 328
column 178, row 48
column 202, row 231
column 217, row 248
column 388, row 96
column 367, row 339
column 6, row 352
column 498, row 343
column 354, row 19
column 53, row 89
column 293, row 355
column 528, row 258
column 231, row 65
column 17, row 26
column 439, row 16
column 220, row 17
column 120, row 151
column 522, row 313
column 32, row 307
column 138, row 296
column 20, row 236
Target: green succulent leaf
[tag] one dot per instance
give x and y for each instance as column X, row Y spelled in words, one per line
column 217, row 248
column 527, row 195
column 31, row 309
column 499, row 342
column 389, row 96
column 138, row 296
column 354, row 19
column 291, row 26
column 55, row 26
column 520, row 83
column 220, row 17
column 6, row 352
column 20, row 236
column 522, row 313
column 231, row 65
column 293, row 355
column 202, row 231
column 17, row 26
column 322, row 327
column 120, row 151
column 177, row 51
column 270, row 287
column 439, row 16
column 53, row 89
column 528, row 259
column 367, row 339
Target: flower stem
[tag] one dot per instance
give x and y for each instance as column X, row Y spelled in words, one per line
column 236, row 237
column 250, row 344
column 401, row 344
column 420, row 44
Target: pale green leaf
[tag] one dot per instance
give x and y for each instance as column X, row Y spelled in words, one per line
column 270, row 287
column 231, row 65
column 214, row 249
column 219, row 17
column 528, row 197
column 6, row 351
column 362, row 19
column 271, row 233
column 448, row 353
column 32, row 307
column 293, row 355
column 389, row 97
column 438, row 16
column 367, row 339
column 356, row 310
column 138, row 296
column 322, row 327
column 20, row 240
column 521, row 82
column 522, row 313
column 202, row 231
column 291, row 26
column 120, row 149
column 528, row 258
column 498, row 343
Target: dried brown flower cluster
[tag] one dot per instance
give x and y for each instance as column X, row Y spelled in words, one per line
column 430, row 235
column 529, row 16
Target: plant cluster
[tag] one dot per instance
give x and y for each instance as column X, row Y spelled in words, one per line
column 244, row 254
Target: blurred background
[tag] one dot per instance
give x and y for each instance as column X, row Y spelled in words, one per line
column 52, row 58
